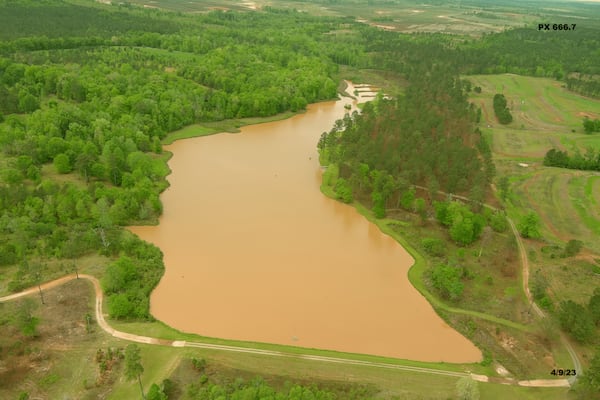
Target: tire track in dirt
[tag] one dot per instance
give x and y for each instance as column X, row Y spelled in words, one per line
column 550, row 109
column 545, row 219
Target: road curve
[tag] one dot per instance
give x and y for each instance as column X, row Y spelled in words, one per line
column 181, row 343
column 525, row 273
column 525, row 265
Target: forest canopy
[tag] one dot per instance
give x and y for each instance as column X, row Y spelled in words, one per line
column 91, row 93
column 87, row 97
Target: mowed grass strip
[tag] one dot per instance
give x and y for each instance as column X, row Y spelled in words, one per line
column 565, row 200
column 159, row 363
column 227, row 125
column 580, row 190
column 524, row 144
column 592, row 189
column 160, row 330
column 536, row 103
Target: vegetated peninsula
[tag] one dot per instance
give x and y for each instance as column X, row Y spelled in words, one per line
column 89, row 97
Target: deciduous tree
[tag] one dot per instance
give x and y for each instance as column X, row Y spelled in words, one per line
column 133, row 365
column 529, row 227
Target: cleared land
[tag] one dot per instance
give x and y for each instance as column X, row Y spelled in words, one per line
column 546, row 115
column 399, row 15
column 464, row 18
column 50, row 369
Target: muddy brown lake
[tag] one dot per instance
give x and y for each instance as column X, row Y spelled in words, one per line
column 254, row 251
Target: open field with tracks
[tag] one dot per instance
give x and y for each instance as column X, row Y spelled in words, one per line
column 545, row 116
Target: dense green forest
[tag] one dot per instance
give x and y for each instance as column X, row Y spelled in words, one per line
column 87, row 96
column 89, row 92
column 571, row 56
column 91, row 101
column 426, row 137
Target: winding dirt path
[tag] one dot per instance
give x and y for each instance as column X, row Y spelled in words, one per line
column 525, row 274
column 181, row 343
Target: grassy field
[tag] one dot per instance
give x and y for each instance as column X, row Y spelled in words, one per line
column 546, row 115
column 559, row 197
column 387, row 384
column 537, row 104
column 228, row 125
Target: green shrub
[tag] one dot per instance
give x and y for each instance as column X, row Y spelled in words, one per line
column 199, row 364
column 446, row 280
column 498, row 222
column 572, row 248
column 343, row 191
column 434, row 247
column 62, row 164
column 577, row 320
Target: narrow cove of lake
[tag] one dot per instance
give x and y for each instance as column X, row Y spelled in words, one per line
column 254, row 251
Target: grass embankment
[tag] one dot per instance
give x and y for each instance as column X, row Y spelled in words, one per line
column 62, row 362
column 228, row 125
column 384, row 384
column 160, row 330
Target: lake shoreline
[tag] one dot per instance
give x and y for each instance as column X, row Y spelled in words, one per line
column 369, row 297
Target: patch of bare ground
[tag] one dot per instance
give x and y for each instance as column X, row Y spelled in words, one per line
column 582, row 114
column 523, row 354
column 59, row 358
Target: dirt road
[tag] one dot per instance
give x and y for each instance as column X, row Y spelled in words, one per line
column 180, row 343
column 525, row 274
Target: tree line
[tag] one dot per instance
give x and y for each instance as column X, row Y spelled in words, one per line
column 569, row 56
column 591, row 126
column 590, row 161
